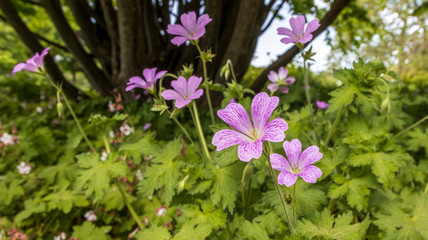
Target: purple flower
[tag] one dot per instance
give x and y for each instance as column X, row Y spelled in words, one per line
column 147, row 126
column 34, row 64
column 250, row 135
column 148, row 83
column 297, row 33
column 192, row 28
column 280, row 80
column 322, row 105
column 185, row 91
column 298, row 163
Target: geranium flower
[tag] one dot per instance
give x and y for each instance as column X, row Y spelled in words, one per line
column 298, row 163
column 250, row 135
column 34, row 64
column 322, row 105
column 7, row 139
column 184, row 91
column 147, row 126
column 90, row 216
column 149, row 81
column 23, row 168
column 104, row 156
column 280, row 80
column 298, row 33
column 192, row 28
column 126, row 130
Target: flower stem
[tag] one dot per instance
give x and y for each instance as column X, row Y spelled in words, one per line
column 281, row 195
column 412, row 126
column 181, row 126
column 294, row 204
column 330, row 133
column 204, row 65
column 308, row 99
column 128, row 205
column 201, row 134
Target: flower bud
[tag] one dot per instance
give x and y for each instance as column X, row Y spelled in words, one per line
column 247, row 174
column 60, row 109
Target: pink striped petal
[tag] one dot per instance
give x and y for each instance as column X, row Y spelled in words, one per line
column 312, row 26
column 309, row 156
column 293, row 150
column 273, row 76
column 310, row 174
column 179, row 103
column 282, row 73
column 250, row 150
column 160, row 74
column 197, row 94
column 288, row 40
column 306, row 38
column 170, row 95
column 261, row 110
column 287, row 178
column 274, row 130
column 176, row 29
column 202, row 21
column 290, row 80
column 235, row 115
column 298, row 25
column 227, row 137
column 272, row 87
column 180, row 85
column 189, row 21
column 193, row 84
column 286, row 32
column 179, row 40
column 279, row 162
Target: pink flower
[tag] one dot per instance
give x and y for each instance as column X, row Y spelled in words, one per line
column 280, row 80
column 147, row 126
column 90, row 216
column 298, row 163
column 297, row 33
column 34, row 64
column 184, row 92
column 148, row 83
column 192, row 28
column 250, row 134
column 322, row 105
column 23, row 168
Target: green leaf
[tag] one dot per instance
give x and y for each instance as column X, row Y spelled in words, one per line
column 9, row 192
column 226, row 156
column 356, row 190
column 325, row 225
column 153, row 233
column 226, row 185
column 190, row 231
column 113, row 200
column 64, row 199
column 32, row 206
column 253, row 231
column 90, row 231
column 341, row 97
column 212, row 218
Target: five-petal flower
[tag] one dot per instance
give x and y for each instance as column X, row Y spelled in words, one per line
column 149, row 81
column 298, row 163
column 192, row 28
column 280, row 80
column 34, row 64
column 250, row 134
column 298, row 33
column 184, row 91
column 322, row 105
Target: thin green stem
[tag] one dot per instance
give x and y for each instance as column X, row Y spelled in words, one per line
column 294, row 203
column 204, row 65
column 232, row 70
column 412, row 126
column 128, row 205
column 201, row 134
column 308, row 99
column 181, row 126
column 330, row 133
column 281, row 195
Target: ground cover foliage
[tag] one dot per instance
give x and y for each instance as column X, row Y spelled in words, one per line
column 374, row 165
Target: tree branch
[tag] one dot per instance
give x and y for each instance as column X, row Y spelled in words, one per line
column 288, row 56
column 273, row 17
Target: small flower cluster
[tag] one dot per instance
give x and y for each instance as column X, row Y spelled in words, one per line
column 90, row 216
column 24, row 168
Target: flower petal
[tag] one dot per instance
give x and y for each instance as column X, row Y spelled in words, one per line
column 170, row 95
column 179, row 40
column 197, row 94
column 309, row 156
column 287, row 178
column 137, row 80
column 290, row 80
column 250, row 150
column 293, row 150
column 235, row 115
column 283, row 89
column 274, row 130
column 288, row 40
column 286, row 32
column 272, row 87
column 179, row 103
column 310, row 174
column 130, row 87
column 306, row 38
column 282, row 73
column 160, row 74
column 202, row 21
column 312, row 26
column 189, row 21
column 273, row 76
column 298, row 25
column 180, row 85
column 279, row 162
column 193, row 84
column 149, row 75
column 261, row 110
column 177, row 29
column 39, row 60
column 227, row 137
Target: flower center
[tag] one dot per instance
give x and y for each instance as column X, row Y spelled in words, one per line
column 295, row 169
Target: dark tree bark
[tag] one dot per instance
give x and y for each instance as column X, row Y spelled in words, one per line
column 30, row 39
column 126, row 37
column 288, row 56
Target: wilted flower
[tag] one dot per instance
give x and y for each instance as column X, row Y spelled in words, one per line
column 298, row 163
column 23, row 168
column 149, row 81
column 7, row 139
column 126, row 129
column 250, row 135
column 298, row 33
column 90, row 216
column 34, row 64
column 185, row 91
column 104, row 156
column 280, row 80
column 139, row 175
column 192, row 28
column 322, row 105
column 147, row 126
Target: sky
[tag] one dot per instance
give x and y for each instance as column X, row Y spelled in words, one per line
column 269, row 46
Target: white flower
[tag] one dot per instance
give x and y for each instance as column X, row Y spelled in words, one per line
column 7, row 139
column 23, row 168
column 39, row 109
column 161, row 211
column 104, row 156
column 57, row 237
column 139, row 175
column 111, row 107
column 111, row 134
column 126, row 130
column 90, row 216
column 63, row 236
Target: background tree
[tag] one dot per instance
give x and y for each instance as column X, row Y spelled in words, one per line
column 114, row 40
